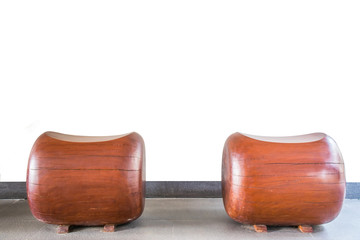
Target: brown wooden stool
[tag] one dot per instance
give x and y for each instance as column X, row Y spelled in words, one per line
column 288, row 181
column 76, row 180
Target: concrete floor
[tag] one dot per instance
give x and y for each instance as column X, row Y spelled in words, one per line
column 175, row 219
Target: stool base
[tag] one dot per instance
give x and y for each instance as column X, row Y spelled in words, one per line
column 62, row 229
column 306, row 228
column 260, row 228
column 109, row 228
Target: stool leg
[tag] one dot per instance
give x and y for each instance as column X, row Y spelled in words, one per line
column 260, row 228
column 61, row 229
column 306, row 228
column 109, row 228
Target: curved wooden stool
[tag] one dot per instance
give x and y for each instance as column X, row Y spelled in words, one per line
column 76, row 180
column 289, row 181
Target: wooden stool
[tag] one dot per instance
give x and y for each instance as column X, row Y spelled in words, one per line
column 289, row 181
column 76, row 180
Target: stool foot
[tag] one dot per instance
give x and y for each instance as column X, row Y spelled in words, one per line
column 109, row 228
column 306, row 228
column 260, row 228
column 61, row 229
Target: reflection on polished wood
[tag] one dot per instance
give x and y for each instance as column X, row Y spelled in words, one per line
column 289, row 181
column 75, row 180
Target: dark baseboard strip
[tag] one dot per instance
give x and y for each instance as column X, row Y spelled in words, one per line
column 13, row 190
column 165, row 189
column 353, row 190
column 183, row 189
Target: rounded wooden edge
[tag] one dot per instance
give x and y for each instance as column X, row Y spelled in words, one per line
column 83, row 139
column 295, row 139
column 87, row 224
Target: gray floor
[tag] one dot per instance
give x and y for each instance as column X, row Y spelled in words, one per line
column 175, row 219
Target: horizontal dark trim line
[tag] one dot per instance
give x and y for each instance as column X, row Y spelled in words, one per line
column 83, row 169
column 165, row 189
column 285, row 183
column 279, row 202
column 66, row 156
column 305, row 163
column 290, row 176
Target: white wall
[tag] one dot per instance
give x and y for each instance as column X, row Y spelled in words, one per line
column 184, row 74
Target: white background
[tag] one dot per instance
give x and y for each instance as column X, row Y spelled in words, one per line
column 183, row 74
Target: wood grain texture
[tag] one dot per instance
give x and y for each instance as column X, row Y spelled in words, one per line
column 86, row 183
column 277, row 183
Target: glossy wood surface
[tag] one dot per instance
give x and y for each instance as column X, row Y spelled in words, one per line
column 97, row 181
column 282, row 183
